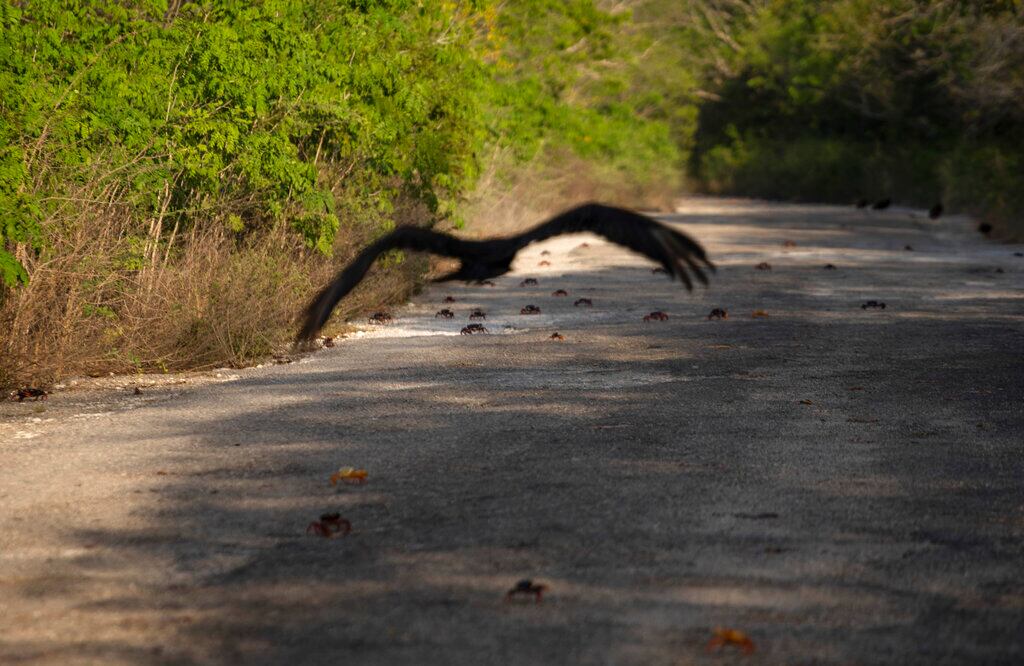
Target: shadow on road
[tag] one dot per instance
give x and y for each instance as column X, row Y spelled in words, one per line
column 842, row 484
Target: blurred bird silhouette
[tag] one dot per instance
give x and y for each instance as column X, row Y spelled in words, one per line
column 881, row 204
column 679, row 254
column 936, row 211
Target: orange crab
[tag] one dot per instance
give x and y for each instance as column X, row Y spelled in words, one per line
column 735, row 637
column 557, row 336
column 349, row 475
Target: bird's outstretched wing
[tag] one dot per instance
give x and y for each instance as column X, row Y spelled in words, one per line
column 407, row 238
column 673, row 249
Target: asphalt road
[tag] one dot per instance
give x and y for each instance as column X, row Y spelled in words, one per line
column 844, row 485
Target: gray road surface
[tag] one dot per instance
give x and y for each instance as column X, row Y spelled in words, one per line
column 844, row 485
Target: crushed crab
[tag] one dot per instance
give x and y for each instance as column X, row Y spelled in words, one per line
column 35, row 393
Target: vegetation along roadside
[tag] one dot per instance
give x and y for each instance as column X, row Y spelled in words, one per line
column 177, row 178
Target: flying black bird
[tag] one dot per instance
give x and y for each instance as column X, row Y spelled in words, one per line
column 935, row 211
column 882, row 204
column 485, row 259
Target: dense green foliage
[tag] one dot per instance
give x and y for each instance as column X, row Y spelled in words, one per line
column 247, row 114
column 561, row 78
column 225, row 113
column 835, row 100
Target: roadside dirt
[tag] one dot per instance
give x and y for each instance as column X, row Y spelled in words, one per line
column 842, row 484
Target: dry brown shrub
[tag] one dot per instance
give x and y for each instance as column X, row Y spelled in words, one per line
column 214, row 300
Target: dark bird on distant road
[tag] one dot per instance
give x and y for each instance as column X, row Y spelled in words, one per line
column 881, row 204
column 862, row 203
column 985, row 228
column 936, row 211
column 675, row 251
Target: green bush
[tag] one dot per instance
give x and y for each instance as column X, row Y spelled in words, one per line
column 148, row 144
column 261, row 113
column 836, row 100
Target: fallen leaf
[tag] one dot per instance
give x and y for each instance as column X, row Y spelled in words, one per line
column 760, row 314
column 806, row 402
